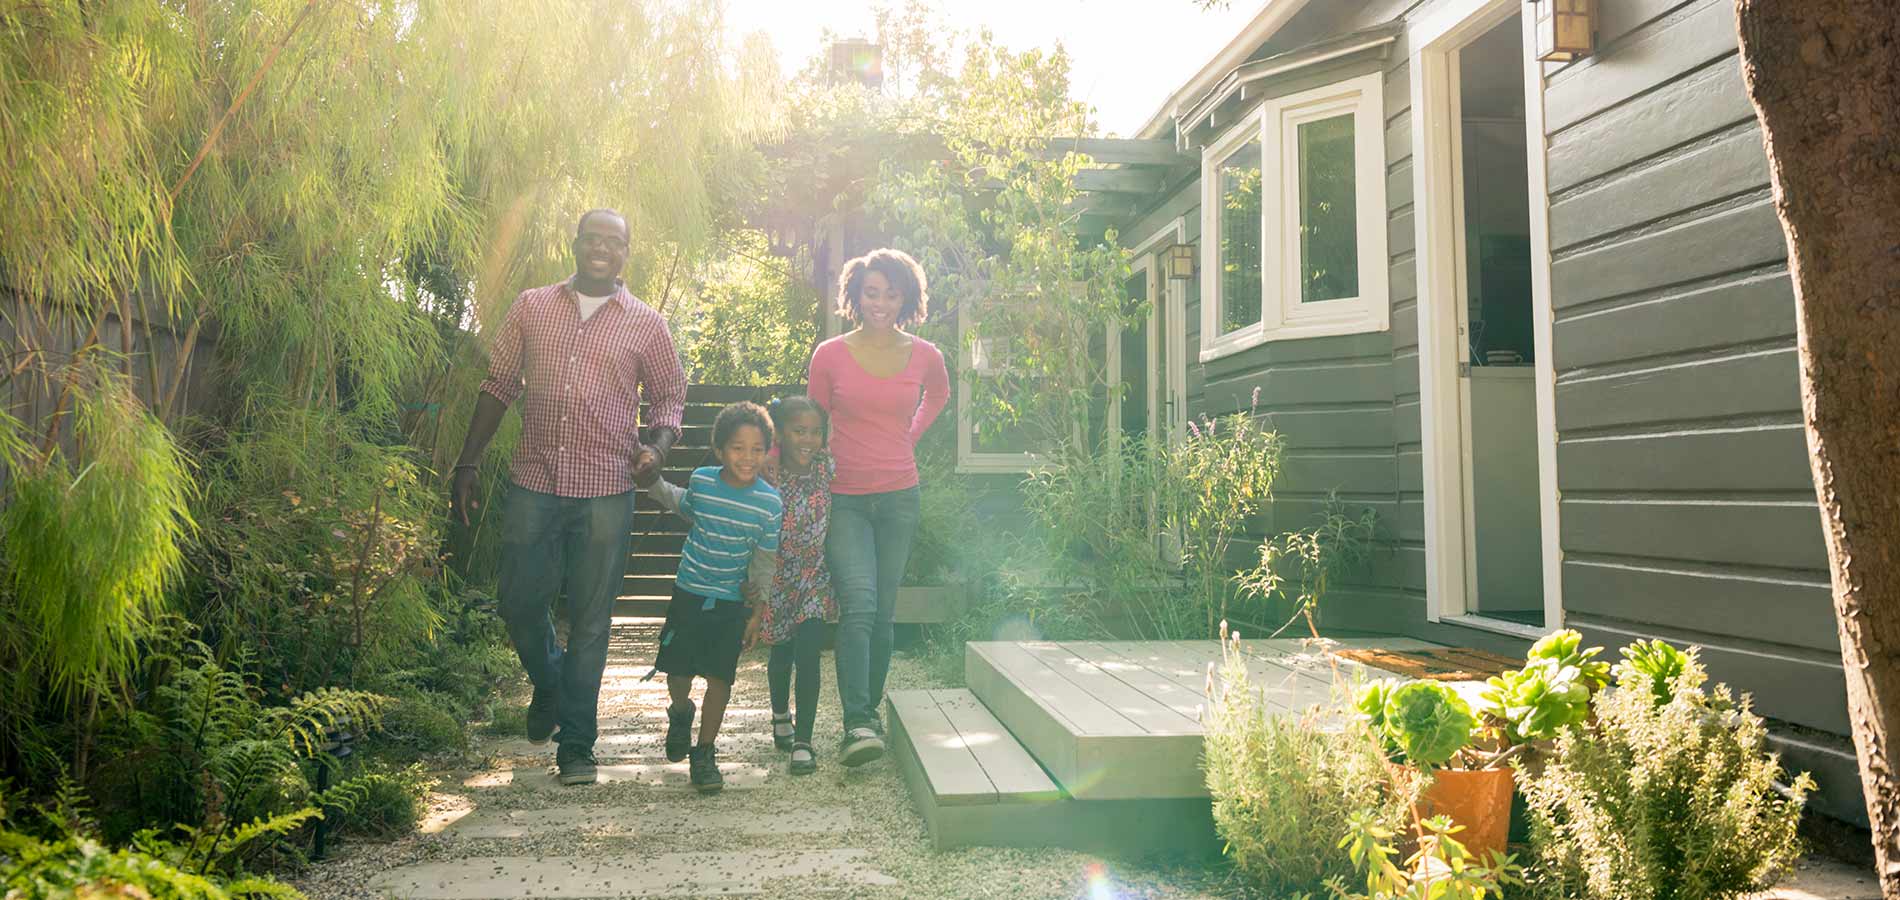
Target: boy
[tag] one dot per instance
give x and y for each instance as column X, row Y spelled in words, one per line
column 730, row 558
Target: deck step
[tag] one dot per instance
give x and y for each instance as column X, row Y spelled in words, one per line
column 976, row 785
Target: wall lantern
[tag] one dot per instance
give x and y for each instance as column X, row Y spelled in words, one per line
column 1181, row 259
column 1566, row 29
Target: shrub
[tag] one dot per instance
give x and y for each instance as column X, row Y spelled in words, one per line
column 1674, row 800
column 1287, row 787
column 391, row 802
column 318, row 551
column 1338, row 543
column 426, row 722
column 57, row 852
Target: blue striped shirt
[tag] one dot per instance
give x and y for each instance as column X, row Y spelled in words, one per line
column 728, row 524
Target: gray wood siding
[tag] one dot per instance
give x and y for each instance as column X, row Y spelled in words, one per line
column 1346, row 406
column 1687, row 512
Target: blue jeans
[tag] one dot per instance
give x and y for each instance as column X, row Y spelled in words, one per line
column 553, row 544
column 867, row 547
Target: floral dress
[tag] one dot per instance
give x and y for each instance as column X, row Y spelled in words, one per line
column 802, row 589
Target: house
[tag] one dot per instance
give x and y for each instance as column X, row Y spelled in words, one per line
column 1537, row 314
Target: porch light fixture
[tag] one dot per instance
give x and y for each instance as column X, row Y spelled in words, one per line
column 1566, row 29
column 1181, row 259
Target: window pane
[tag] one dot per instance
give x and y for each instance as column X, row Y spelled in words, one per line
column 1240, row 238
column 1329, row 219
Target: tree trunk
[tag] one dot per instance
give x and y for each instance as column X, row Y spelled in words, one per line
column 1824, row 76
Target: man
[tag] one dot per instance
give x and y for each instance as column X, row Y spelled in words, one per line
column 581, row 356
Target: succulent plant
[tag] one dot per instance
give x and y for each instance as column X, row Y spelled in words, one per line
column 1429, row 722
column 1653, row 665
column 1371, row 701
column 1565, row 648
column 1539, row 700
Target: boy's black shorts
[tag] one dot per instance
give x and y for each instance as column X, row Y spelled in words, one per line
column 699, row 641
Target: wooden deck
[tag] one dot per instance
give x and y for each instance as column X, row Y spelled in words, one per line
column 1121, row 720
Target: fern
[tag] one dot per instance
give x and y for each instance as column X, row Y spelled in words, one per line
column 69, row 858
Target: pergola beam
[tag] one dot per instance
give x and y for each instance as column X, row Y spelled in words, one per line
column 1120, row 181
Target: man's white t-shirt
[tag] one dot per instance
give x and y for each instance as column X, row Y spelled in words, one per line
column 590, row 305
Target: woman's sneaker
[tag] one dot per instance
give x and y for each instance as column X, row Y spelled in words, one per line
column 703, row 771
column 804, row 761
column 860, row 745
column 782, row 731
column 679, row 731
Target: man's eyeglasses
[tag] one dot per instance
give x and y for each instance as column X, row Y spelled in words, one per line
column 590, row 241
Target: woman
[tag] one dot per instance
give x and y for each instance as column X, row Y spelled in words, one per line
column 882, row 388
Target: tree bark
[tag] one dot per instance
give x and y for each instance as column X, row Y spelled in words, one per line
column 1824, row 76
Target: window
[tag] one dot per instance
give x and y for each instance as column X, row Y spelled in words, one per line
column 986, row 442
column 993, row 439
column 1293, row 204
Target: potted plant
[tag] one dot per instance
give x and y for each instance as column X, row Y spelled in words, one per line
column 1429, row 725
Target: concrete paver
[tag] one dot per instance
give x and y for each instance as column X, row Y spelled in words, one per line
column 625, row 821
column 542, row 778
column 661, row 875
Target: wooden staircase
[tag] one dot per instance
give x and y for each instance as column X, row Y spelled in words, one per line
column 658, row 536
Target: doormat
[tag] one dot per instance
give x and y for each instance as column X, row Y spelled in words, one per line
column 1435, row 664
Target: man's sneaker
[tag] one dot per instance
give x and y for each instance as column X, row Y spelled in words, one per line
column 543, row 711
column 704, row 771
column 577, row 765
column 860, row 745
column 804, row 761
column 782, row 731
column 679, row 731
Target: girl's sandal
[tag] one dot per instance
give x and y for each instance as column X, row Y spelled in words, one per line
column 782, row 732
column 804, row 761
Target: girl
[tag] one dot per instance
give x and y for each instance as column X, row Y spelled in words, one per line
column 801, row 601
column 882, row 387
column 728, row 563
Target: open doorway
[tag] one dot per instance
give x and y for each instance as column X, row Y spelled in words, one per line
column 1479, row 175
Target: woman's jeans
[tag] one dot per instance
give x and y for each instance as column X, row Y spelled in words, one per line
column 551, row 545
column 867, row 547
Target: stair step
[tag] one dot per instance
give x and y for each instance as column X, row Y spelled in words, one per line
column 723, row 394
column 668, row 543
column 641, row 607
column 646, row 585
column 976, row 785
column 653, row 564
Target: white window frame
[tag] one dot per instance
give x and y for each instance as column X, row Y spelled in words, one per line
column 1282, row 316
column 971, row 461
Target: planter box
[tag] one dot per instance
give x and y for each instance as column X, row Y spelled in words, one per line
column 929, row 605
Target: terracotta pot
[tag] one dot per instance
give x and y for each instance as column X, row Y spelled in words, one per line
column 1480, row 801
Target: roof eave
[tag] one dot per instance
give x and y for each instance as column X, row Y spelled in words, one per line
column 1272, row 16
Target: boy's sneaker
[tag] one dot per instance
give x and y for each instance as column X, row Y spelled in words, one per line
column 860, row 745
column 704, row 771
column 782, row 731
column 577, row 765
column 543, row 712
column 804, row 761
column 679, row 731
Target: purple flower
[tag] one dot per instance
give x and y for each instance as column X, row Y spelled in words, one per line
column 1256, row 397
column 1193, row 430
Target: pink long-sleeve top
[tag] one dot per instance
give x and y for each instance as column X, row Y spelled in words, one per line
column 876, row 422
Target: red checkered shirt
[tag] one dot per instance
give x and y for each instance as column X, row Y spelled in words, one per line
column 583, row 383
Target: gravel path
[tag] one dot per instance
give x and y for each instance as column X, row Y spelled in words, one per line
column 497, row 828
